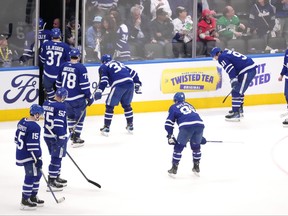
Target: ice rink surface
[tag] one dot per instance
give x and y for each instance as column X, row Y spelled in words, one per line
column 247, row 174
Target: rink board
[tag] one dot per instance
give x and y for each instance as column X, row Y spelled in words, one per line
column 204, row 82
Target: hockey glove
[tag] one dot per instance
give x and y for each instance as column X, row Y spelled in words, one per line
column 235, row 84
column 138, row 88
column 90, row 100
column 203, row 141
column 39, row 163
column 98, row 94
column 23, row 59
column 171, row 139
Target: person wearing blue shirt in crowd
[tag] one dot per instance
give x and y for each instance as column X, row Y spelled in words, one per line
column 73, row 76
column 241, row 70
column 191, row 129
column 55, row 136
column 53, row 53
column 93, row 39
column 123, row 81
column 29, row 155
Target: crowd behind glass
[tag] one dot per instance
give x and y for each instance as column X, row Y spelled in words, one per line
column 132, row 30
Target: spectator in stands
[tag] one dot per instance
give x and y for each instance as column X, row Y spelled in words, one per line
column 101, row 7
column 157, row 4
column 161, row 28
column 229, row 26
column 7, row 56
column 206, row 31
column 108, row 35
column 262, row 20
column 57, row 23
column 187, row 4
column 93, row 37
column 139, row 31
column 203, row 4
column 70, row 33
column 282, row 15
column 122, row 49
column 182, row 41
column 124, row 7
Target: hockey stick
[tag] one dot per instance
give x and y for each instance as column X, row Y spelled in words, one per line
column 226, row 97
column 57, row 200
column 90, row 181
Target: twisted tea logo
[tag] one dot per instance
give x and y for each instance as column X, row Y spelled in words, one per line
column 24, row 84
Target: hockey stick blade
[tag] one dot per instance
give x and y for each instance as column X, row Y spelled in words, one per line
column 60, row 200
column 94, row 183
column 50, row 189
column 90, row 181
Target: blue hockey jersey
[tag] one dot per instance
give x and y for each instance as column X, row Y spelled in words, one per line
column 115, row 73
column 284, row 71
column 29, row 49
column 184, row 114
column 235, row 63
column 74, row 78
column 122, row 46
column 52, row 55
column 27, row 139
column 55, row 119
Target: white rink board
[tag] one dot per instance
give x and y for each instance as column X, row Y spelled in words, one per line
column 18, row 88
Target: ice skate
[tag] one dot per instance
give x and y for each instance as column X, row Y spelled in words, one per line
column 285, row 123
column 37, row 201
column 130, row 128
column 105, row 131
column 233, row 117
column 61, row 181
column 241, row 112
column 77, row 142
column 27, row 205
column 173, row 171
column 196, row 169
column 55, row 186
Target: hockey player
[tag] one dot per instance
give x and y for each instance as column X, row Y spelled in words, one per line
column 55, row 136
column 43, row 36
column 53, row 54
column 241, row 70
column 284, row 73
column 73, row 77
column 29, row 51
column 122, row 51
column 123, row 82
column 28, row 154
column 191, row 128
